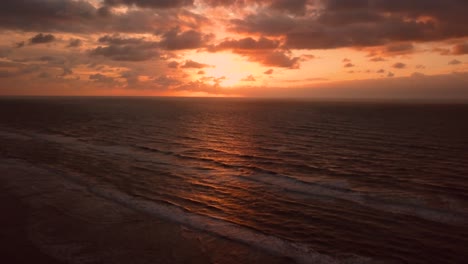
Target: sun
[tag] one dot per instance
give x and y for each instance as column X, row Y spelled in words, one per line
column 226, row 68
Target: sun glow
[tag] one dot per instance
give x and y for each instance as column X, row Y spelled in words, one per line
column 227, row 69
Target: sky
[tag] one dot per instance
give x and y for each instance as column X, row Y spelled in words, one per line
column 266, row 48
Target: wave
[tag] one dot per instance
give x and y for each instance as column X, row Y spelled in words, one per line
column 455, row 213
column 300, row 253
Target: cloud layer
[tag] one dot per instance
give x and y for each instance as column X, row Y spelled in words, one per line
column 172, row 45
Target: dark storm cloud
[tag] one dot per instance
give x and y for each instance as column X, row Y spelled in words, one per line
column 293, row 6
column 362, row 23
column 82, row 17
column 42, row 39
column 176, row 40
column 121, row 48
column 151, row 3
column 38, row 14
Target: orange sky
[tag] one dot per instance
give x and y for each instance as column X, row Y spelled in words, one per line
column 267, row 48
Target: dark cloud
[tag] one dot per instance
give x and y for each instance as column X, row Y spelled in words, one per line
column 245, row 44
column 276, row 59
column 363, row 23
column 125, row 52
column 66, row 71
column 399, row 65
column 249, row 78
column 166, row 82
column 454, row 62
column 119, row 40
column 20, row 44
column 377, row 59
column 380, row 71
column 80, row 16
column 195, row 65
column 348, row 65
column 151, row 3
column 101, row 78
column 44, row 75
column 263, row 50
column 173, row 65
column 460, row 49
column 73, row 43
column 39, row 15
column 176, row 40
column 269, row 72
column 390, row 74
column 400, row 48
column 292, row 6
column 121, row 48
column 41, row 39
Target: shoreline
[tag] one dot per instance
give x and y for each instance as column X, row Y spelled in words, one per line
column 54, row 221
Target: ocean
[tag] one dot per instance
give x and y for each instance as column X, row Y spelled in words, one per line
column 303, row 181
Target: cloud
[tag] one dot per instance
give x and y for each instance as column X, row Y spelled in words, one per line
column 363, row 23
column 399, row 48
column 173, row 65
column 125, row 52
column 377, row 59
column 380, row 71
column 166, row 82
column 454, row 62
column 126, row 49
column 176, row 40
column 119, row 40
column 73, row 43
column 277, row 59
column 20, row 44
column 348, row 65
column 190, row 64
column 298, row 7
column 249, row 78
column 151, row 3
column 41, row 39
column 460, row 49
column 399, row 65
column 268, row 72
column 246, row 44
column 390, row 74
column 101, row 78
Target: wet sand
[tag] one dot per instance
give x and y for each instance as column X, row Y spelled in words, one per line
column 48, row 220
